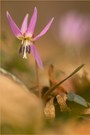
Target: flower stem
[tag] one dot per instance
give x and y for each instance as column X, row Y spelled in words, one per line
column 37, row 79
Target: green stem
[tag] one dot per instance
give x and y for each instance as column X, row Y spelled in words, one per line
column 37, row 78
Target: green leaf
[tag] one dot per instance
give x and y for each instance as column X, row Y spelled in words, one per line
column 76, row 98
column 70, row 96
column 54, row 87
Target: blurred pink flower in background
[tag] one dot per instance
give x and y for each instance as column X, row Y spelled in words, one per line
column 74, row 28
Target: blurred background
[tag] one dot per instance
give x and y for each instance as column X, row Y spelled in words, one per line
column 66, row 45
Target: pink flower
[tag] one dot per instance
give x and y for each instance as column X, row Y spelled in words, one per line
column 74, row 28
column 26, row 35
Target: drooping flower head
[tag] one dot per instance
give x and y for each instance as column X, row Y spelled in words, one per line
column 26, row 35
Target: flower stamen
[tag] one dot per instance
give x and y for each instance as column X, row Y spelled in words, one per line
column 24, row 52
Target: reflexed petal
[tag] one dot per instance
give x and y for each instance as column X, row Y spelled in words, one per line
column 44, row 30
column 36, row 56
column 13, row 26
column 32, row 23
column 24, row 24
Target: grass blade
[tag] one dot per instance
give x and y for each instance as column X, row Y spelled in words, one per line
column 54, row 87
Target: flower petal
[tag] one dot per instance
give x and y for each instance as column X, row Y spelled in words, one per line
column 36, row 56
column 44, row 30
column 24, row 24
column 32, row 23
column 13, row 26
